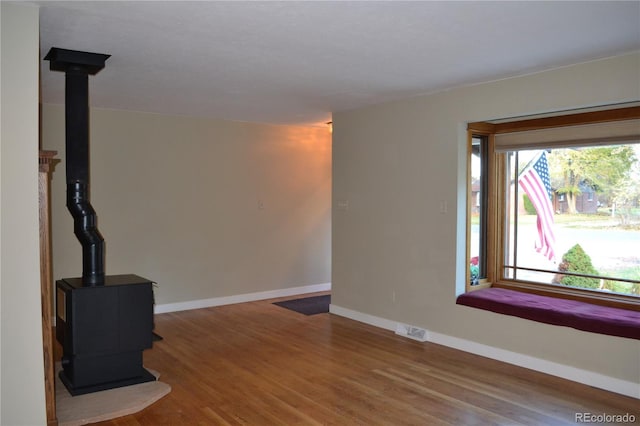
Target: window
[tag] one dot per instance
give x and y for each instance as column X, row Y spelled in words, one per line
column 477, row 229
column 559, row 212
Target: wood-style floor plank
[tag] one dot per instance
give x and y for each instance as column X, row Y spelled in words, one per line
column 260, row 364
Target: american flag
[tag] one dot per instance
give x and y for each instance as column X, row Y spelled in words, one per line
column 534, row 181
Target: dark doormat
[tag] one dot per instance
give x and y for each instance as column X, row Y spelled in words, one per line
column 308, row 305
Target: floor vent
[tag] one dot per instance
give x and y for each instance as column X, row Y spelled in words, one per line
column 415, row 333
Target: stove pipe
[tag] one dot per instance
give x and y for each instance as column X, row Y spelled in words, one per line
column 77, row 67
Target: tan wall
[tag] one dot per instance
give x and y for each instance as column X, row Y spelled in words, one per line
column 397, row 163
column 178, row 202
column 22, row 371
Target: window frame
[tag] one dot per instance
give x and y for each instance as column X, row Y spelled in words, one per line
column 486, row 210
column 496, row 219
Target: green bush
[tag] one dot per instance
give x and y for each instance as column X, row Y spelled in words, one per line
column 622, row 287
column 528, row 205
column 577, row 261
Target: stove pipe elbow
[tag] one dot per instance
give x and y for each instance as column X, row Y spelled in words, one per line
column 86, row 230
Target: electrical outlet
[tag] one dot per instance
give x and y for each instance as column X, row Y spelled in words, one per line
column 343, row 204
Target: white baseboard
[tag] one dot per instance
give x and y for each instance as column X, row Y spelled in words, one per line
column 240, row 298
column 365, row 318
column 586, row 377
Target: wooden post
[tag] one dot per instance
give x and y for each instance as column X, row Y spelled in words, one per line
column 47, row 162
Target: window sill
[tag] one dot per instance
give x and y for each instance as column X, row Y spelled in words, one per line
column 551, row 310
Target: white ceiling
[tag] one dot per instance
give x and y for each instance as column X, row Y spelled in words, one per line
column 297, row 62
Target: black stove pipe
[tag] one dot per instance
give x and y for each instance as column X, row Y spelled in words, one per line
column 77, row 67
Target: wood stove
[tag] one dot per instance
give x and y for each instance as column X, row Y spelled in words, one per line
column 104, row 322
column 103, row 331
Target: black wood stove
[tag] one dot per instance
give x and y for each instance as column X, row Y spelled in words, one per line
column 103, row 322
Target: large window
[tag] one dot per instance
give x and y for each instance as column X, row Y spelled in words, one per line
column 554, row 205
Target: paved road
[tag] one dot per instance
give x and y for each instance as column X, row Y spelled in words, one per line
column 608, row 248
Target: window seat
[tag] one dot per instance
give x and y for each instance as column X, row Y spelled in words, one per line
column 556, row 311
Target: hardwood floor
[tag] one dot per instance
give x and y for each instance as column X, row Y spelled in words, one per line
column 260, row 364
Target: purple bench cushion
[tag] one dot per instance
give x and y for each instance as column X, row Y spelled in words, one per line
column 552, row 310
